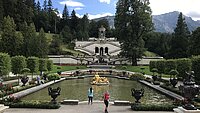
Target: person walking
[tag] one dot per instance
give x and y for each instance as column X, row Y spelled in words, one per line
column 106, row 100
column 90, row 96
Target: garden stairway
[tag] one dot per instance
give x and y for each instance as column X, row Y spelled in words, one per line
column 2, row 108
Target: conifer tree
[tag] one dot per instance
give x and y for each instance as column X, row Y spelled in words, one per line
column 195, row 42
column 180, row 40
column 45, row 5
column 65, row 14
column 42, row 49
column 1, row 13
column 74, row 21
column 11, row 41
column 30, row 40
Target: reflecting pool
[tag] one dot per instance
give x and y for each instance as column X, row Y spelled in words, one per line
column 119, row 89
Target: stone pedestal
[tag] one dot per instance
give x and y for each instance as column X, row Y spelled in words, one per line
column 182, row 110
column 70, row 102
column 121, row 103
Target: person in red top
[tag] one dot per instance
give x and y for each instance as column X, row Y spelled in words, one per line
column 106, row 100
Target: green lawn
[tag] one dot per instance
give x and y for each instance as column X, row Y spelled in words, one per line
column 150, row 54
column 66, row 68
column 136, row 69
column 64, row 48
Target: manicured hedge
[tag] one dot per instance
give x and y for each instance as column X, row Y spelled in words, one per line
column 152, row 107
column 49, row 65
column 5, row 64
column 33, row 64
column 18, row 63
column 10, row 78
column 169, row 65
column 33, row 104
column 183, row 66
column 137, row 76
column 42, row 64
column 152, row 64
column 160, row 66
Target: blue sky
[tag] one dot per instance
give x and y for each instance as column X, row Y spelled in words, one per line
column 99, row 8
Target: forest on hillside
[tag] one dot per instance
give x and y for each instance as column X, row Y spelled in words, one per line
column 23, row 21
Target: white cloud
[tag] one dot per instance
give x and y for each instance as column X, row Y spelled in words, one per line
column 184, row 6
column 194, row 14
column 72, row 3
column 90, row 16
column 105, row 1
column 78, row 8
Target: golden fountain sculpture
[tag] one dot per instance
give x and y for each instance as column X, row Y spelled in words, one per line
column 97, row 80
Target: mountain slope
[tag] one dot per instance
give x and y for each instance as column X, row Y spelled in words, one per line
column 163, row 23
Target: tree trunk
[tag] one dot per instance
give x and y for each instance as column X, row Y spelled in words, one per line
column 134, row 60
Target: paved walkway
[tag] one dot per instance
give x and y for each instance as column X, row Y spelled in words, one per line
column 81, row 108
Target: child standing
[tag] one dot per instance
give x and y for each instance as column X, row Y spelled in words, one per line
column 106, row 100
column 90, row 95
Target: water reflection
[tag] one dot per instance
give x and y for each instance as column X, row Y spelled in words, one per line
column 119, row 90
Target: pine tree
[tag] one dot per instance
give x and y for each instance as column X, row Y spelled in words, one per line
column 93, row 29
column 38, row 7
column 65, row 14
column 1, row 13
column 42, row 49
column 50, row 6
column 45, row 5
column 132, row 21
column 55, row 46
column 30, row 40
column 11, row 41
column 195, row 42
column 83, row 28
column 74, row 22
column 180, row 40
column 66, row 35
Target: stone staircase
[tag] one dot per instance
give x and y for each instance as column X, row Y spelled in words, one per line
column 114, row 44
column 2, row 108
column 114, row 51
column 85, row 50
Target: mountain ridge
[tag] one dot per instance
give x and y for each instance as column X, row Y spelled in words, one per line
column 165, row 23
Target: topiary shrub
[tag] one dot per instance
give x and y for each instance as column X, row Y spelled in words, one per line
column 53, row 76
column 137, row 76
column 183, row 65
column 33, row 64
column 152, row 65
column 151, row 107
column 124, row 67
column 49, row 65
column 5, row 64
column 33, row 104
column 169, row 65
column 160, row 65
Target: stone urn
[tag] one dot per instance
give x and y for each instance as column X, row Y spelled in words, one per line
column 24, row 80
column 54, row 93
column 189, row 91
column 154, row 77
column 110, row 71
column 90, row 71
column 173, row 81
column 137, row 94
